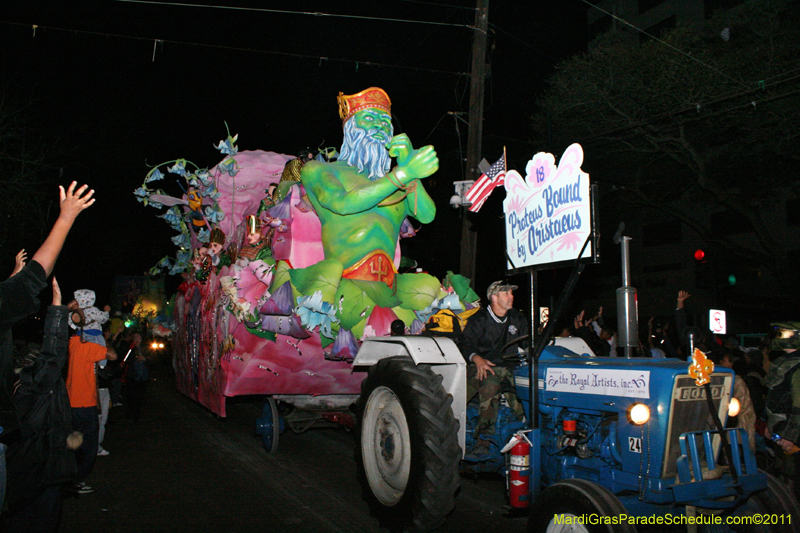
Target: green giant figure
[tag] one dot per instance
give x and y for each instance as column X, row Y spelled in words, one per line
column 360, row 203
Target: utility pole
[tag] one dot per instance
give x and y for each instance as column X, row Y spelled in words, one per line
column 478, row 75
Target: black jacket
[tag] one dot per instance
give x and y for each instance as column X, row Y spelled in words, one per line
column 18, row 299
column 484, row 336
column 41, row 458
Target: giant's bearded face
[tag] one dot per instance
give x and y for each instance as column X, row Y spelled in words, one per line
column 364, row 145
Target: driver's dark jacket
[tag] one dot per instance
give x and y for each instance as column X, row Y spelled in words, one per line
column 484, row 336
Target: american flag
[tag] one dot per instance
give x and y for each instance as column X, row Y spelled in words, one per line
column 495, row 175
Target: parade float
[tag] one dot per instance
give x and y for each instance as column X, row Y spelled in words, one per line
column 292, row 291
column 289, row 263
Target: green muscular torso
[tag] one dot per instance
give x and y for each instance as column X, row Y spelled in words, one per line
column 353, row 222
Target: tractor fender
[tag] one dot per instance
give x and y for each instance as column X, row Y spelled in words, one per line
column 440, row 353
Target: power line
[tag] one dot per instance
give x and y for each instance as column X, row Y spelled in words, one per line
column 753, row 103
column 496, row 27
column 663, row 42
column 288, row 12
column 437, row 5
column 355, row 62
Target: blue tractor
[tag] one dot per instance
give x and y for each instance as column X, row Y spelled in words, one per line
column 618, row 442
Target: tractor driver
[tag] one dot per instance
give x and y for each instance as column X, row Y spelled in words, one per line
column 487, row 344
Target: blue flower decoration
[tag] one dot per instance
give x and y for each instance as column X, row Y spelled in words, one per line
column 213, row 215
column 173, row 218
column 181, row 240
column 426, row 313
column 203, row 235
column 211, row 191
column 450, row 301
column 141, row 193
column 179, row 168
column 226, row 166
column 229, row 166
column 314, row 312
column 204, row 177
column 178, row 268
column 227, row 147
column 154, row 175
column 165, row 263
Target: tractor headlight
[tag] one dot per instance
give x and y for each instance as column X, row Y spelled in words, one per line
column 638, row 414
column 734, row 407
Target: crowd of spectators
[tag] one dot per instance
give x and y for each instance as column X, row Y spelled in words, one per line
column 764, row 376
column 51, row 428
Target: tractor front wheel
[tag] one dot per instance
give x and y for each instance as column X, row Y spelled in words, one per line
column 572, row 505
column 407, row 451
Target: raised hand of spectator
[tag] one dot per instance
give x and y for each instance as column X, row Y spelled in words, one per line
column 56, row 292
column 20, row 260
column 74, row 202
column 682, row 295
column 579, row 320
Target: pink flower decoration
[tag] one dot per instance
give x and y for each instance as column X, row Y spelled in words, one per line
column 252, row 282
column 379, row 322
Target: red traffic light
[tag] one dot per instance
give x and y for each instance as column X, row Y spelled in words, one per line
column 699, row 254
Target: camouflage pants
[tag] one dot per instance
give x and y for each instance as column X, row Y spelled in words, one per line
column 488, row 391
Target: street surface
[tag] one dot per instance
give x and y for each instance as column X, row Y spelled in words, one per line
column 182, row 468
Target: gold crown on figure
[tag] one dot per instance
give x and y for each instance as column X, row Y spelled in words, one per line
column 217, row 236
column 374, row 97
column 253, row 224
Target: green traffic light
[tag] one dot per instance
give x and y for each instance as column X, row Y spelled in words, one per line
column 732, row 279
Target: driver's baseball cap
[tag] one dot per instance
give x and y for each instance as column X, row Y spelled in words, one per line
column 499, row 286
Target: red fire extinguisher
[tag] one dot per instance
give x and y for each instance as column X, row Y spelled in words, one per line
column 519, row 470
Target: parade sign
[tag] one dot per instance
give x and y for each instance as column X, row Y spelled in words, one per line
column 626, row 383
column 548, row 213
column 716, row 321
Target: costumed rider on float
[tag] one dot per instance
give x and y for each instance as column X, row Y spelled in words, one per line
column 487, row 344
column 361, row 204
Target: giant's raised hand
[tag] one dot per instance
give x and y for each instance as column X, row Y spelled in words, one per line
column 412, row 164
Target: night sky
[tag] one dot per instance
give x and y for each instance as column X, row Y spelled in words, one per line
column 116, row 87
